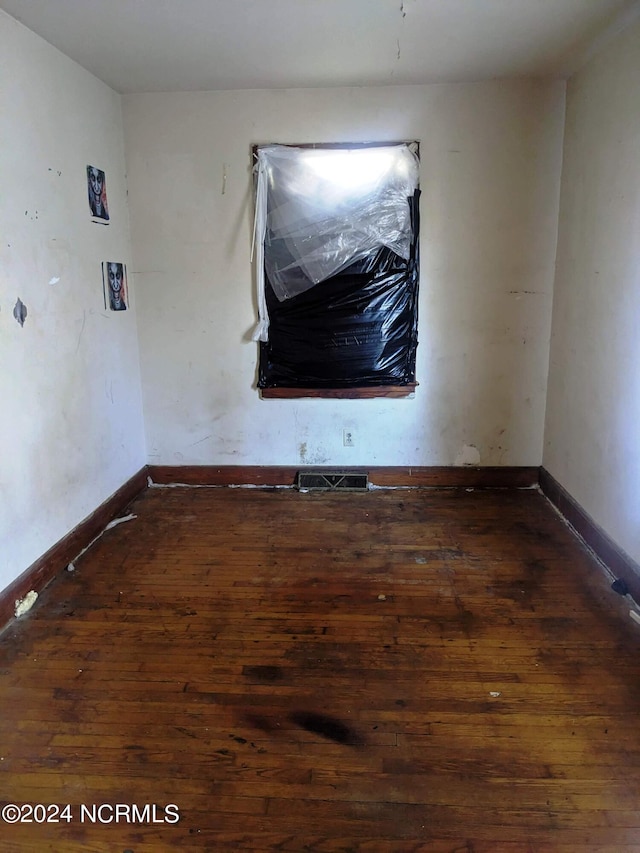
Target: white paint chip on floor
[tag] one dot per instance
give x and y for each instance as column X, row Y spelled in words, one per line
column 23, row 605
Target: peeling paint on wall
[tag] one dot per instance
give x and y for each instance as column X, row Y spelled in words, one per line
column 20, row 311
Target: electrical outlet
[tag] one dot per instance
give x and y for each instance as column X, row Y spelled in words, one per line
column 347, row 438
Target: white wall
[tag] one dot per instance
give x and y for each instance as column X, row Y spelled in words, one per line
column 70, row 404
column 491, row 159
column 592, row 438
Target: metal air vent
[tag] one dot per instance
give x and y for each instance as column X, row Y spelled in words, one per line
column 333, row 481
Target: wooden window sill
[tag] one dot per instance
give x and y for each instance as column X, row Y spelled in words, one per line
column 395, row 391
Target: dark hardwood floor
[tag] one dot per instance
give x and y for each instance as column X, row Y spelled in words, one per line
column 428, row 670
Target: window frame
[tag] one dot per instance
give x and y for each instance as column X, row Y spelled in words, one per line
column 405, row 390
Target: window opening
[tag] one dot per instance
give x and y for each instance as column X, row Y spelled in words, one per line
column 336, row 247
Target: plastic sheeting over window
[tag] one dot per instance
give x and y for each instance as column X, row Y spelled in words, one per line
column 336, row 248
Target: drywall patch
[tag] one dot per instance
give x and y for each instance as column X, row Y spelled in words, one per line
column 23, row 605
column 20, row 311
column 469, row 455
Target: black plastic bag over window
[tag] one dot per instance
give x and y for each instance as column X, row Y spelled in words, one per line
column 337, row 253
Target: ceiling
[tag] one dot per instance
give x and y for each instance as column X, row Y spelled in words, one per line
column 190, row 45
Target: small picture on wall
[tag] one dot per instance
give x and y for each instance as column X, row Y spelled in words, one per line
column 97, row 191
column 114, row 285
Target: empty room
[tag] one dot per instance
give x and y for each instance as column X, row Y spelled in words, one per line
column 320, row 473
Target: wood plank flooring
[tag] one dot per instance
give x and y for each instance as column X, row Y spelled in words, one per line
column 390, row 672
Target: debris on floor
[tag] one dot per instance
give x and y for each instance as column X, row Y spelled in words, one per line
column 620, row 586
column 117, row 521
column 23, row 605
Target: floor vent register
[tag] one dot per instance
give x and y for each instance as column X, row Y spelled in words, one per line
column 333, row 481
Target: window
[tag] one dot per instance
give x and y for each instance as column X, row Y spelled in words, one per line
column 336, row 243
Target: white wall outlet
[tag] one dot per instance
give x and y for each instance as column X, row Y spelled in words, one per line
column 347, row 438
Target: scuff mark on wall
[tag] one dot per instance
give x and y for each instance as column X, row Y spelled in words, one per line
column 317, row 458
column 23, row 605
column 206, row 438
column 469, row 455
column 84, row 320
column 20, row 311
column 403, row 15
